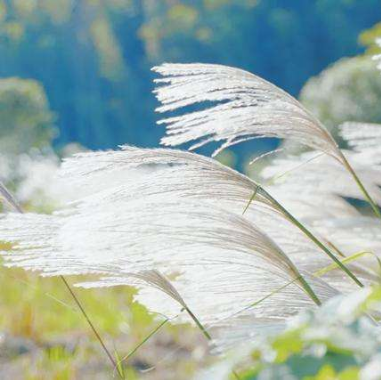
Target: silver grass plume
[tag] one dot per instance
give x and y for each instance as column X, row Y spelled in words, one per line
column 354, row 234
column 177, row 174
column 180, row 178
column 157, row 281
column 158, row 172
column 321, row 177
column 365, row 140
column 220, row 261
column 339, row 224
column 244, row 107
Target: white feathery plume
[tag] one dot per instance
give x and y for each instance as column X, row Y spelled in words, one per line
column 307, row 256
column 88, row 236
column 353, row 234
column 244, row 107
column 185, row 175
column 171, row 217
column 220, row 257
column 322, row 177
column 159, row 172
column 365, row 140
column 361, row 136
column 339, row 224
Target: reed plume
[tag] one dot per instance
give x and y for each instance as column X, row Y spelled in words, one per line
column 243, row 107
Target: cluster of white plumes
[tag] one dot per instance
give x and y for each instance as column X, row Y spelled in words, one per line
column 177, row 225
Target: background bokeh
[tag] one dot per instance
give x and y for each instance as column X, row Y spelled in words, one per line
column 91, row 59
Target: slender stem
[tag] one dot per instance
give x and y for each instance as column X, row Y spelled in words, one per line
column 12, row 201
column 198, row 323
column 308, row 289
column 144, row 340
column 91, row 325
column 206, row 333
column 251, row 200
column 310, row 292
column 313, row 238
column 367, row 196
column 317, row 273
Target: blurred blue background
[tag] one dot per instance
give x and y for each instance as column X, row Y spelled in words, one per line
column 92, row 58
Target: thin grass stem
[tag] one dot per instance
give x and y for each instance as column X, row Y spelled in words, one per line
column 84, row 313
column 313, row 238
column 198, row 323
column 205, row 332
column 251, row 200
column 12, row 201
column 310, row 292
column 367, row 196
column 317, row 273
column 133, row 351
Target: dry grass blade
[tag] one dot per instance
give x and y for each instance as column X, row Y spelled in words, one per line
column 151, row 334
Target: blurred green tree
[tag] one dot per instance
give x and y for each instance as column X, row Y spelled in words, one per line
column 25, row 118
column 349, row 90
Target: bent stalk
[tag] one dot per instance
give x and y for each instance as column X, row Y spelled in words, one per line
column 309, row 234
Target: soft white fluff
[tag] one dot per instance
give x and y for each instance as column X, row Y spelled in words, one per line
column 365, row 140
column 311, row 177
column 182, row 217
column 239, row 106
column 220, row 261
column 313, row 192
column 187, row 176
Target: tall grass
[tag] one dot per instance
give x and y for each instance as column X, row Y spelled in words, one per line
column 194, row 235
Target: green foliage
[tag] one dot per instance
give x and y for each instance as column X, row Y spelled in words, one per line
column 340, row 340
column 40, row 315
column 349, row 90
column 368, row 39
column 25, row 118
